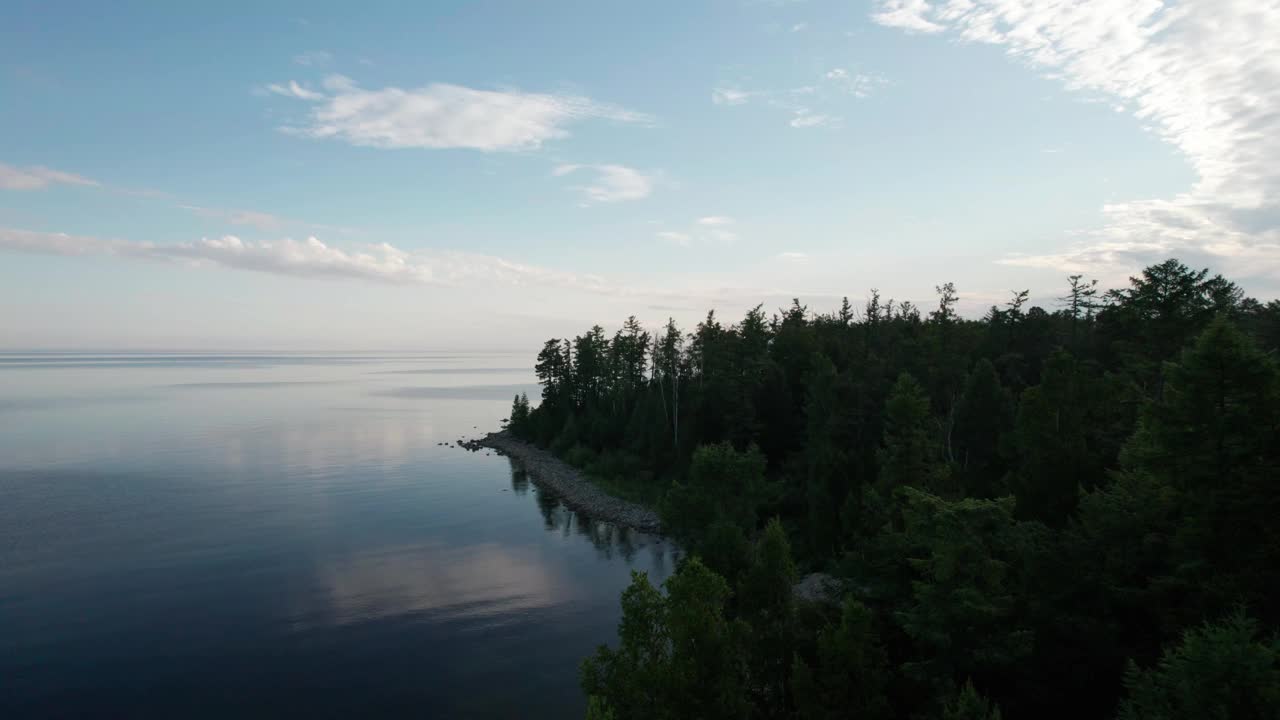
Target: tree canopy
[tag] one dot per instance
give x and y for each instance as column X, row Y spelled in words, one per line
column 1059, row 512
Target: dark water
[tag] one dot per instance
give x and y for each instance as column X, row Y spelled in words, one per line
column 254, row 535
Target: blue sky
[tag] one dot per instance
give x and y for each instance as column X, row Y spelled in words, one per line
column 487, row 174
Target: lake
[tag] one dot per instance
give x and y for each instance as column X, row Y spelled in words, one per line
column 221, row 535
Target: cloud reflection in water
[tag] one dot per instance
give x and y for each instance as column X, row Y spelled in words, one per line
column 484, row 581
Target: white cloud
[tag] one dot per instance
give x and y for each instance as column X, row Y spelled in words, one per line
column 833, row 86
column 793, row 257
column 613, row 183
column 798, row 27
column 441, row 115
column 312, row 258
column 805, row 118
column 730, row 96
column 1203, row 74
column 37, row 177
column 859, row 85
column 709, row 229
column 312, row 58
column 252, row 218
column 908, row 15
column 294, row 90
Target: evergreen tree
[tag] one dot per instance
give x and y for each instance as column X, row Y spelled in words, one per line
column 1052, row 442
column 910, row 456
column 962, row 618
column 765, row 602
column 982, row 418
column 1140, row 459
column 969, row 705
column 724, row 485
column 1215, row 438
column 851, row 674
column 1219, row 671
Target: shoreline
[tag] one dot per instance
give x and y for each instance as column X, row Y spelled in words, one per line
column 566, row 481
column 581, row 494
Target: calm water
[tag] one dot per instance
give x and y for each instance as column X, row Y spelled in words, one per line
column 219, row 535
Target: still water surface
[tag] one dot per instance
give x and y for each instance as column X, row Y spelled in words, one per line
column 262, row 535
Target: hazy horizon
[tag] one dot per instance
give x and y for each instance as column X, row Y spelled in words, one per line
column 487, row 175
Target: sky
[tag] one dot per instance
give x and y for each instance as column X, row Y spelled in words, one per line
column 485, row 175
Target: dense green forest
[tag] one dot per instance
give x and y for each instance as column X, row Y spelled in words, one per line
column 1069, row 512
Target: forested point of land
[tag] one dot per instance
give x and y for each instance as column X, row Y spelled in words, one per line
column 1070, row 512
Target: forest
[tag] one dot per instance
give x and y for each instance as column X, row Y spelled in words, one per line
column 1066, row 512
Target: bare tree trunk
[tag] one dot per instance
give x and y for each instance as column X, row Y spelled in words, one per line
column 675, row 409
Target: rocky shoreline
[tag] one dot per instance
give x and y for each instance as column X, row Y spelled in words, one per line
column 567, row 482
column 581, row 494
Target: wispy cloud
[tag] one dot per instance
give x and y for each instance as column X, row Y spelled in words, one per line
column 612, row 183
column 811, row 105
column 252, row 218
column 805, row 118
column 1202, row 74
column 909, row 15
column 37, row 177
column 441, row 115
column 709, row 229
column 294, row 90
column 859, row 85
column 731, row 96
column 793, row 257
column 799, row 27
column 313, row 58
column 311, row 258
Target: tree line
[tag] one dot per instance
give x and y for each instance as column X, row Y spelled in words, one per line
column 1072, row 512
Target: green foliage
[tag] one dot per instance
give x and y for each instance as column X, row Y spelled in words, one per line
column 851, row 674
column 910, row 456
column 1220, row 671
column 969, row 705
column 962, row 619
column 519, row 423
column 1052, row 441
column 723, row 485
column 983, row 416
column 598, row 709
column 1016, row 504
column 765, row 602
column 678, row 656
column 1214, row 440
column 726, row 550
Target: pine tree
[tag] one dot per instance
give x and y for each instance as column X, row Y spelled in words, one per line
column 1215, row 438
column 766, row 602
column 1221, row 671
column 970, row 705
column 982, row 418
column 851, row 674
column 1052, row 442
column 961, row 618
column 910, row 456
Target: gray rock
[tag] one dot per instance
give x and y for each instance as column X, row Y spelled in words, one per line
column 818, row 587
column 565, row 481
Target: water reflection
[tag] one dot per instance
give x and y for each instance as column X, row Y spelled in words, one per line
column 461, row 392
column 486, row 580
column 298, row 540
column 519, row 480
column 609, row 539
